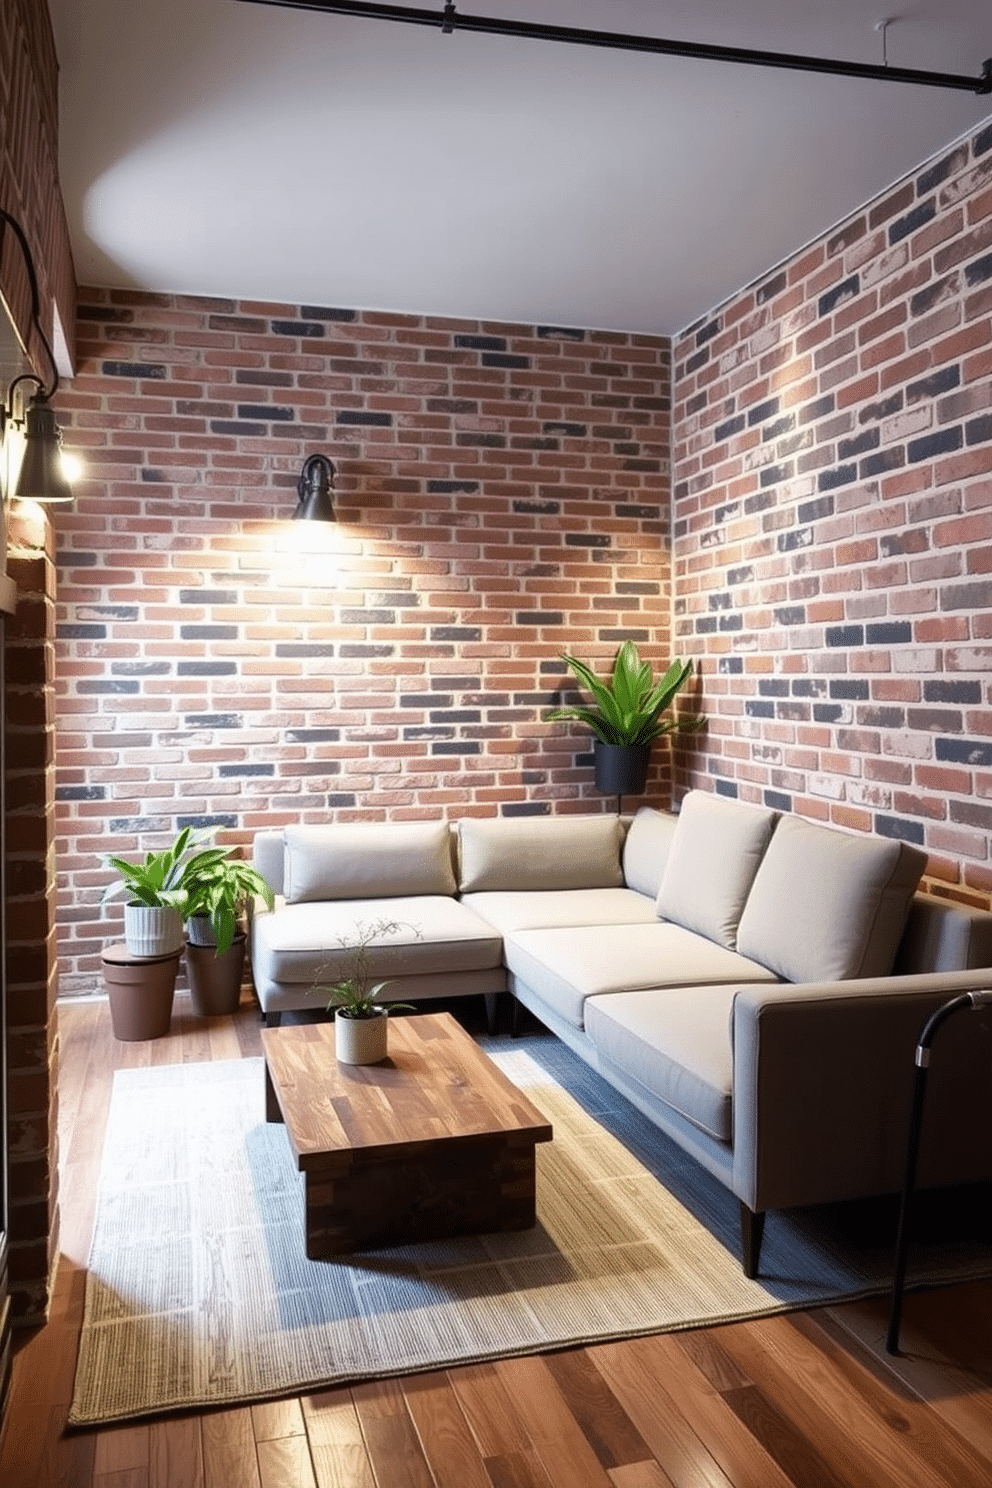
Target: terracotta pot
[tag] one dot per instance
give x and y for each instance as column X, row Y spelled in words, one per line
column 140, row 989
column 152, row 930
column 360, row 1040
column 215, row 981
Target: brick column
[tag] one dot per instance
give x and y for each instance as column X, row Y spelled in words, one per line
column 32, row 1038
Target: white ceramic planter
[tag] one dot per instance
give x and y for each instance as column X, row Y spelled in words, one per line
column 360, row 1040
column 152, row 931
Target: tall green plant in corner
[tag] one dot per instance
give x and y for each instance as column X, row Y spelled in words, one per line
column 628, row 705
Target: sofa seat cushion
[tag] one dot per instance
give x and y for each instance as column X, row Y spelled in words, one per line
column 514, row 854
column 301, row 943
column 567, row 965
column 675, row 1043
column 539, row 910
column 827, row 905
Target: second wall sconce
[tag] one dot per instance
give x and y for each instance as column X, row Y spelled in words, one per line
column 315, row 489
column 41, row 476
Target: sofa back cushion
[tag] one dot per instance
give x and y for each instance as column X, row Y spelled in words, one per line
column 827, row 905
column 646, row 848
column 368, row 860
column 716, row 851
column 510, row 854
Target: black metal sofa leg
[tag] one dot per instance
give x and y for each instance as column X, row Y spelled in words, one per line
column 492, row 1010
column 752, row 1229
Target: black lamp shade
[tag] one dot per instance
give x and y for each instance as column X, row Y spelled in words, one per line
column 41, row 477
column 314, row 489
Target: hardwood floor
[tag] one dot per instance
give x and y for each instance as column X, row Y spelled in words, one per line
column 807, row 1399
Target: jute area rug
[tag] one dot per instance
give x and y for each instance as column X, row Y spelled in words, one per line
column 199, row 1292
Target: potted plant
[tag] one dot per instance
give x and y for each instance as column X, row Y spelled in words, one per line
column 141, row 975
column 218, row 889
column 627, row 715
column 157, row 894
column 361, row 1021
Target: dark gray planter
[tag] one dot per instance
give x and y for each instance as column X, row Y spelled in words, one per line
column 621, row 769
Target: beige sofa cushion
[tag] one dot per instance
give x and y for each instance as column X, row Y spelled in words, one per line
column 676, row 1043
column 715, row 853
column 545, row 909
column 367, row 860
column 827, row 905
column 434, row 935
column 566, row 966
column 508, row 854
column 646, row 848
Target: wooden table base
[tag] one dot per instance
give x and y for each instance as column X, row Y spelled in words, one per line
column 468, row 1176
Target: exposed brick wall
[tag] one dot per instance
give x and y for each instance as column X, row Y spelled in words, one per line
column 502, row 495
column 29, row 191
column 833, row 521
column 32, row 1037
column 29, row 187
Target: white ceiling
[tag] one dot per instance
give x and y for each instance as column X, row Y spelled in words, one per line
column 216, row 147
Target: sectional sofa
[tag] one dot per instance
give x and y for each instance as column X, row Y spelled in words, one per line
column 754, row 982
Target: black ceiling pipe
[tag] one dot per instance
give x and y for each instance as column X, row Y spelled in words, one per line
column 449, row 20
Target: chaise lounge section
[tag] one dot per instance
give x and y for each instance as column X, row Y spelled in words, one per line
column 755, row 983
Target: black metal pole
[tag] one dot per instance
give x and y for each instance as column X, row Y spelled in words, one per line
column 923, row 1047
column 449, row 20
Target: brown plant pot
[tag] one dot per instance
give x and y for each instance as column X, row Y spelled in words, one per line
column 140, row 989
column 215, row 981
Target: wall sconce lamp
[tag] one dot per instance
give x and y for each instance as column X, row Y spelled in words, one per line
column 315, row 489
column 41, row 476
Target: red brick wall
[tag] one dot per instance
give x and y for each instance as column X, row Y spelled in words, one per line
column 502, row 495
column 29, row 191
column 833, row 524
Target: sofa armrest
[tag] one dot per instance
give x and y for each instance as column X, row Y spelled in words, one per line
column 823, row 1078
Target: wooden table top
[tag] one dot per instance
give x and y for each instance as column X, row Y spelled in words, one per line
column 437, row 1086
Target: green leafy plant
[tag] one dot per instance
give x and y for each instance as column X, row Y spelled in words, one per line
column 629, row 704
column 355, row 994
column 161, row 880
column 219, row 887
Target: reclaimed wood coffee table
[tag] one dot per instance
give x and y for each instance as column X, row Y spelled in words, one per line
column 432, row 1142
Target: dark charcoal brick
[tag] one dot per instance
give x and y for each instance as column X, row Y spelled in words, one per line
column 815, row 511
column 900, row 828
column 845, row 635
column 216, row 820
column 892, row 633
column 327, row 312
column 480, row 343
column 731, row 666
column 309, row 329
column 81, row 793
column 461, row 747
column 932, row 386
column 799, row 537
column 273, row 412
column 586, row 540
column 237, row 426
column 979, row 430
column 362, row 416
column 539, row 617
column 561, row 333
column 817, row 410
column 940, row 691
column 208, row 632
column 965, row 751
column 730, row 427
column 868, row 440
column 727, row 788
column 446, row 487
column 81, row 632
column 525, row 808
column 773, row 687
column 841, row 475
column 744, row 575
column 208, row 596
column 140, row 668
column 206, row 668
column 213, row 720
column 456, row 633
column 827, row 713
column 849, row 689
column 791, row 615
column 845, row 290
column 134, row 369
column 777, row 800
column 574, row 431
column 313, row 736
column 537, row 508
column 235, row 772
column 505, row 359
column 912, row 222
column 755, row 709
column 978, row 271
column 872, row 465
column 774, row 475
column 772, row 287
column 763, row 411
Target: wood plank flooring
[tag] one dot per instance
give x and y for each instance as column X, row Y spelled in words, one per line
column 809, row 1399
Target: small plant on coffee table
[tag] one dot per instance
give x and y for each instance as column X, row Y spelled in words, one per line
column 355, row 995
